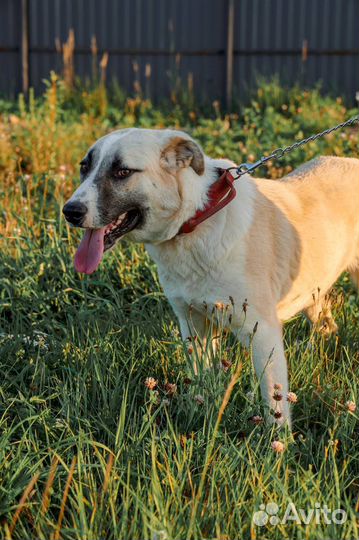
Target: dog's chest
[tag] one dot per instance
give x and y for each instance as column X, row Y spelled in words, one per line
column 189, row 279
column 197, row 277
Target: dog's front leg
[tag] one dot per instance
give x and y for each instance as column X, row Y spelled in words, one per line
column 197, row 333
column 271, row 368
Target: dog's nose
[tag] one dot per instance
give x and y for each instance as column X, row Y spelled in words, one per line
column 74, row 212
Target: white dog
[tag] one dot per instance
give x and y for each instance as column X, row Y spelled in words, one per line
column 278, row 246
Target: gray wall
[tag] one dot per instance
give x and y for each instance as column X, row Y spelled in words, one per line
column 268, row 39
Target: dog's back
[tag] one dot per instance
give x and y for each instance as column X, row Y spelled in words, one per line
column 317, row 207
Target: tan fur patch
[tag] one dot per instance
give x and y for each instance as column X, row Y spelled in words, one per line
column 181, row 152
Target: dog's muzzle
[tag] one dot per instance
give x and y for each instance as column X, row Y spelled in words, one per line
column 75, row 212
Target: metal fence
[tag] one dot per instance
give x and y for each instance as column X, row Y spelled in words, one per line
column 218, row 47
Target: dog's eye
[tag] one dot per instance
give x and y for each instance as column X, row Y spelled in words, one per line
column 123, row 173
column 84, row 167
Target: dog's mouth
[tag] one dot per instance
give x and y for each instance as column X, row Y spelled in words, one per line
column 122, row 225
column 96, row 241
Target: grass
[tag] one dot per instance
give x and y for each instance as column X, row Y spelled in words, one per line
column 87, row 451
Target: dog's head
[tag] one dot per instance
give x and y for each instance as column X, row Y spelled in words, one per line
column 135, row 182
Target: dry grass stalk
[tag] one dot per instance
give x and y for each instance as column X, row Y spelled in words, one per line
column 22, row 501
column 94, row 51
column 107, row 476
column 68, row 50
column 64, row 499
column 50, row 480
column 103, row 66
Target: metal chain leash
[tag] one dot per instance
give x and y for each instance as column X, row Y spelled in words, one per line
column 280, row 152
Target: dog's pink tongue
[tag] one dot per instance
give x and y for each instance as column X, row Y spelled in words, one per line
column 90, row 251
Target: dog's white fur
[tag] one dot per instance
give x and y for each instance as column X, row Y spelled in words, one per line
column 278, row 246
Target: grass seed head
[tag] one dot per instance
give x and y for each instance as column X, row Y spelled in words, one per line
column 170, row 388
column 292, row 397
column 199, row 399
column 278, row 447
column 225, row 365
column 151, row 383
column 350, row 406
column 257, row 420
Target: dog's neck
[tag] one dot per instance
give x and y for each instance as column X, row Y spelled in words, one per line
column 197, row 193
column 220, row 193
column 211, row 242
column 194, row 192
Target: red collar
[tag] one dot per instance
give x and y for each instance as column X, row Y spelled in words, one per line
column 221, row 192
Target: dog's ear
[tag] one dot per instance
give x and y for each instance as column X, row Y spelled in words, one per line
column 180, row 152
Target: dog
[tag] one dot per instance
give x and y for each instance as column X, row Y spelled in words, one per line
column 276, row 248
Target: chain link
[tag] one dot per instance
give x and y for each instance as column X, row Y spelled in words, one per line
column 280, row 152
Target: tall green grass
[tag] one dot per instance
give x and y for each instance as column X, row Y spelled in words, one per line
column 87, row 451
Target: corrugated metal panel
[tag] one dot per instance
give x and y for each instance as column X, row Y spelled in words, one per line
column 330, row 28
column 10, row 69
column 268, row 39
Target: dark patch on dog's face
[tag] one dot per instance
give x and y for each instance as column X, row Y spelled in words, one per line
column 86, row 164
column 114, row 199
column 114, row 192
column 117, row 206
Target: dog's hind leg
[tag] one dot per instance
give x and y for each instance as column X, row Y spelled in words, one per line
column 354, row 274
column 320, row 315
